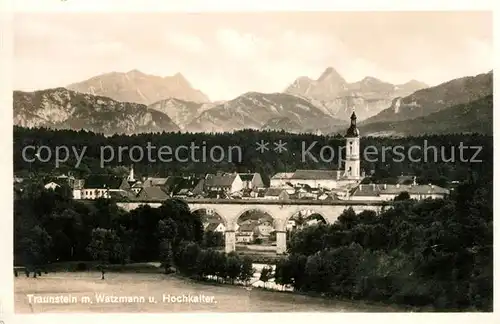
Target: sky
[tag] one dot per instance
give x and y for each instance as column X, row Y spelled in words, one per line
column 227, row 54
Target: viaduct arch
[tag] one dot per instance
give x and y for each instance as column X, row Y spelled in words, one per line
column 281, row 211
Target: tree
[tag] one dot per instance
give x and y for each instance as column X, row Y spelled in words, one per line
column 167, row 233
column 402, row 196
column 104, row 245
column 266, row 274
column 188, row 258
column 213, row 239
column 36, row 246
column 247, row 270
column 283, row 273
column 233, row 266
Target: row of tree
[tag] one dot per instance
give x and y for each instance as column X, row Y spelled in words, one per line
column 441, row 160
column 431, row 252
column 425, row 253
column 50, row 226
column 202, row 264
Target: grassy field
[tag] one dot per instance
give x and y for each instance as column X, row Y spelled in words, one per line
column 78, row 286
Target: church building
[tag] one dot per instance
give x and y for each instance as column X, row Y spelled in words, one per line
column 329, row 179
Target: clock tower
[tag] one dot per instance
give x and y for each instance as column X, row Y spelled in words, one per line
column 352, row 164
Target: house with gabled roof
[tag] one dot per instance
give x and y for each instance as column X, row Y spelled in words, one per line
column 136, row 187
column 152, row 194
column 251, row 180
column 276, row 194
column 52, row 185
column 281, row 179
column 226, row 182
column 154, row 182
column 215, row 227
column 246, row 232
column 100, row 186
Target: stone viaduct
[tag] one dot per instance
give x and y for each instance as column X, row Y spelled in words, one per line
column 280, row 210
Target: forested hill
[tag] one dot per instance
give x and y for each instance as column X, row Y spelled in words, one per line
column 434, row 170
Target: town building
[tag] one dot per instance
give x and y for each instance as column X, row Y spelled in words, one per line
column 251, row 181
column 102, row 186
column 246, row 233
column 152, row 193
column 276, row 194
column 387, row 192
column 215, row 227
column 223, row 182
column 329, row 179
column 265, row 228
column 281, row 179
column 51, row 185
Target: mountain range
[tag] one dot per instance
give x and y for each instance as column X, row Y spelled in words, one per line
column 433, row 99
column 338, row 97
column 135, row 102
column 471, row 117
column 254, row 110
column 138, row 87
column 61, row 108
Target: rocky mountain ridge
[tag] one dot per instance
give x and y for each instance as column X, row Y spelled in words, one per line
column 433, row 99
column 138, row 87
column 61, row 108
column 254, row 110
column 368, row 96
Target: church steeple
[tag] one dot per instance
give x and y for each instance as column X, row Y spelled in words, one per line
column 130, row 177
column 352, row 131
column 352, row 163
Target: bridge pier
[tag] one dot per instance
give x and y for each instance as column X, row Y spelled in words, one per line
column 230, row 238
column 281, row 211
column 280, row 242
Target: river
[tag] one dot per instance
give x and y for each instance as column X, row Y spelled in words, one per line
column 157, row 293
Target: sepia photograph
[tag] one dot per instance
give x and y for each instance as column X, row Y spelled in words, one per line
column 281, row 161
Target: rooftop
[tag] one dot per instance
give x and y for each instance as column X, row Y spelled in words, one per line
column 224, row 180
column 104, row 182
column 283, row 175
column 247, row 227
column 152, row 193
column 151, row 182
column 212, row 227
column 246, row 176
column 317, row 174
column 367, row 190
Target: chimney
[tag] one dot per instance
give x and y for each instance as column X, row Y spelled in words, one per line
column 385, row 186
column 360, row 187
column 373, row 186
column 397, row 186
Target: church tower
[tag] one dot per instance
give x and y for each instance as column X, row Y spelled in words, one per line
column 130, row 177
column 352, row 166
